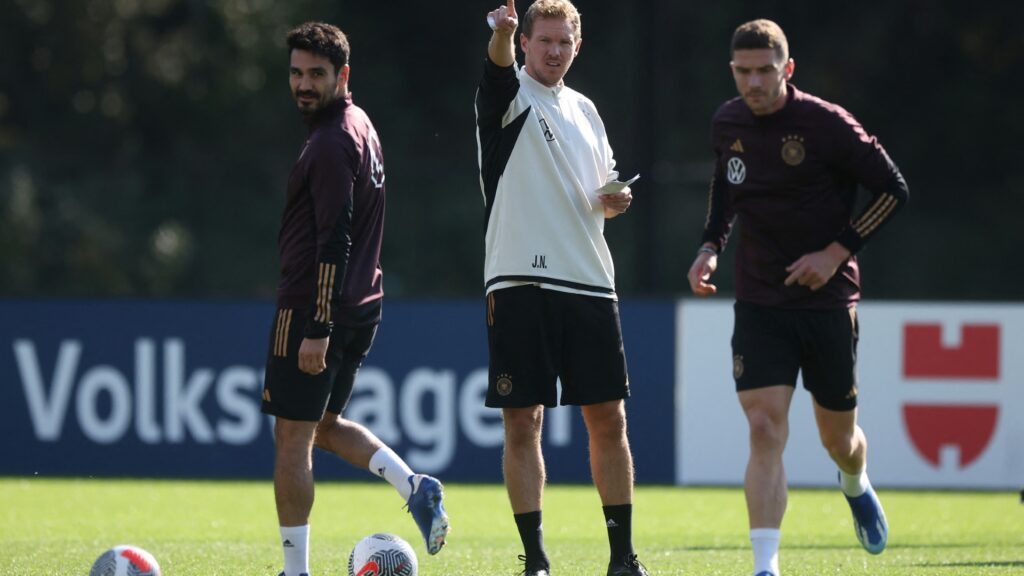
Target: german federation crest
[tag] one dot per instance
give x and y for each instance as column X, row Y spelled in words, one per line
column 504, row 384
column 793, row 151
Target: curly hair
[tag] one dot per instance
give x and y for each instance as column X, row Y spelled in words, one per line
column 322, row 39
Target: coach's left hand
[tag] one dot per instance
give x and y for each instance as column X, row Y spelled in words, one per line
column 814, row 270
column 313, row 355
column 618, row 203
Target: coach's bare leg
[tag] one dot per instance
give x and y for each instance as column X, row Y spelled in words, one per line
column 523, row 461
column 767, row 411
column 611, row 463
column 293, row 471
column 350, row 441
column 843, row 438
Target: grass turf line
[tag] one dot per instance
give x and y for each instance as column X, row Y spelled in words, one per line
column 57, row 527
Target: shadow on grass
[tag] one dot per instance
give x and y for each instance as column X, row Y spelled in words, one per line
column 1004, row 564
column 833, row 547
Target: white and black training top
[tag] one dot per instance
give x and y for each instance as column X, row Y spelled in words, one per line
column 543, row 152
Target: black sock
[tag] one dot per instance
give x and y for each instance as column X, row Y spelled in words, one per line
column 531, row 532
column 619, row 520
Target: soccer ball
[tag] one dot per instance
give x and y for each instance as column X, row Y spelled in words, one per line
column 382, row 555
column 125, row 561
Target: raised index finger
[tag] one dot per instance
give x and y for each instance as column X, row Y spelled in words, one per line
column 512, row 8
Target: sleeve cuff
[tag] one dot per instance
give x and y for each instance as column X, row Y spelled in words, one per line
column 714, row 240
column 317, row 330
column 850, row 240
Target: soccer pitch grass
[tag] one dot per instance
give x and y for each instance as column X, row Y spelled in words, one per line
column 58, row 527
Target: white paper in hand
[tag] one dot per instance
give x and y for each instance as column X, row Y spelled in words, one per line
column 615, row 186
column 491, row 22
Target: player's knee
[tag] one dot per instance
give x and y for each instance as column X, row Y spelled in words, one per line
column 324, row 427
column 766, row 430
column 606, row 421
column 518, row 437
column 291, row 433
column 293, row 452
column 321, row 439
column 523, row 425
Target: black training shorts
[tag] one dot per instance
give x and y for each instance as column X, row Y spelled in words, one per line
column 536, row 335
column 771, row 345
column 295, row 395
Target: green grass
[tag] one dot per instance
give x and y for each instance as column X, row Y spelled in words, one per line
column 58, row 527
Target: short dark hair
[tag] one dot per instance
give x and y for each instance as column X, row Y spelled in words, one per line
column 758, row 34
column 322, row 39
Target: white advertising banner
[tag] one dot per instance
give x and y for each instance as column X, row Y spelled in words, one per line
column 941, row 398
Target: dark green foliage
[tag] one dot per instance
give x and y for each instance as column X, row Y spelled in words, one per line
column 144, row 144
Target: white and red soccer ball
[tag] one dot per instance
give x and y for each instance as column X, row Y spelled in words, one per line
column 125, row 561
column 382, row 555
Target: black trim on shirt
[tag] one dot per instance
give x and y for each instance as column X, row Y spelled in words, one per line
column 497, row 90
column 546, row 280
column 499, row 153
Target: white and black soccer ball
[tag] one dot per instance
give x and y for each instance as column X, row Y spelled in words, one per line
column 382, row 555
column 125, row 561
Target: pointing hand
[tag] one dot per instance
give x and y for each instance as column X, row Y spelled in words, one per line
column 504, row 20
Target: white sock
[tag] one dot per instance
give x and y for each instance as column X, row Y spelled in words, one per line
column 765, row 542
column 295, row 543
column 854, row 485
column 389, row 466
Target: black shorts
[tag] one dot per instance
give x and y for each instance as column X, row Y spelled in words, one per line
column 536, row 335
column 771, row 345
column 295, row 395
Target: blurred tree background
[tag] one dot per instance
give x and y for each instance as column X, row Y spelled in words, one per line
column 145, row 144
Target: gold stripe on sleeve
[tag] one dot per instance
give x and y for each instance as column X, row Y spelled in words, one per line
column 881, row 219
column 711, row 192
column 318, row 315
column 284, row 321
column 331, row 270
column 870, row 220
column 871, row 211
column 324, row 290
column 876, row 215
column 277, row 332
column 319, row 293
column 284, row 332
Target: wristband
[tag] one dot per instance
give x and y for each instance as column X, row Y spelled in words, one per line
column 707, row 250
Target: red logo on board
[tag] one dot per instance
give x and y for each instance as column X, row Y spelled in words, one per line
column 968, row 427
